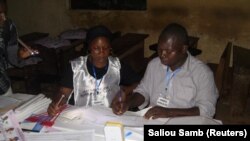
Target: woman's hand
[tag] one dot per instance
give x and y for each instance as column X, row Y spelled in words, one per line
column 53, row 109
column 120, row 104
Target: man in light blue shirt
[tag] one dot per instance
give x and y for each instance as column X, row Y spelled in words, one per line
column 175, row 83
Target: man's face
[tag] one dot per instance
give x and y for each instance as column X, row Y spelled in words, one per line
column 2, row 14
column 170, row 51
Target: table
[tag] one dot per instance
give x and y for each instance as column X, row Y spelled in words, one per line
column 54, row 60
column 87, row 122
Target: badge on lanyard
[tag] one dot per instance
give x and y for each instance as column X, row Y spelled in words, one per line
column 163, row 101
column 98, row 96
column 98, row 99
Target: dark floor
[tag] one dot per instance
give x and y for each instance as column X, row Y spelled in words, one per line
column 223, row 112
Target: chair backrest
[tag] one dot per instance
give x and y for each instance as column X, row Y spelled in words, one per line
column 241, row 63
column 222, row 71
column 240, row 90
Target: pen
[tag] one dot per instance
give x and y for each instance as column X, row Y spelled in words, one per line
column 57, row 104
column 28, row 48
column 29, row 130
column 128, row 134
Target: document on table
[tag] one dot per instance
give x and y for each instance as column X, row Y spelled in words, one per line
column 100, row 115
column 74, row 34
column 79, row 118
column 194, row 120
column 50, row 42
column 6, row 101
column 87, row 135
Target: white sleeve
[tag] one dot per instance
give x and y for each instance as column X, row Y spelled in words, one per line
column 207, row 93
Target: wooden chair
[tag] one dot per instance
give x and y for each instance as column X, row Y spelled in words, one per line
column 222, row 73
column 241, row 80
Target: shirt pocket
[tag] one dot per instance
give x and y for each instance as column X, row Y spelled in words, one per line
column 185, row 91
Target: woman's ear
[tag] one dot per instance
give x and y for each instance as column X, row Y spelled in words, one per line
column 184, row 48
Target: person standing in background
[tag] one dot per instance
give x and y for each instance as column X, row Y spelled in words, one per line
column 10, row 53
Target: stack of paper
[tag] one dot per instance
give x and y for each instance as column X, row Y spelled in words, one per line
column 74, row 34
column 36, row 105
column 50, row 42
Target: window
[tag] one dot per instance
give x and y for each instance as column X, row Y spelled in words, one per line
column 108, row 4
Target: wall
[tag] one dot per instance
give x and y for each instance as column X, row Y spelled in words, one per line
column 215, row 22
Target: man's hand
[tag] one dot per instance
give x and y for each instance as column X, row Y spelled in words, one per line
column 157, row 112
column 25, row 53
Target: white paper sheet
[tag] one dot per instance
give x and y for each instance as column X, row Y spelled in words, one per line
column 87, row 135
column 6, row 101
column 12, row 101
column 100, row 115
column 193, row 120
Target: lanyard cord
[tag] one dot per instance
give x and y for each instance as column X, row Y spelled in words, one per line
column 96, row 82
column 170, row 75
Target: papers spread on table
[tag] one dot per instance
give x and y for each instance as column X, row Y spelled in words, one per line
column 50, row 42
column 9, row 128
column 193, row 120
column 74, row 34
column 79, row 118
column 7, row 103
column 100, row 115
column 87, row 135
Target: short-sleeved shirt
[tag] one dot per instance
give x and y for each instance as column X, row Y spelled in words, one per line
column 191, row 85
column 127, row 74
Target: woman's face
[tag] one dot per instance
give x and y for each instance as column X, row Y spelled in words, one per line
column 100, row 50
